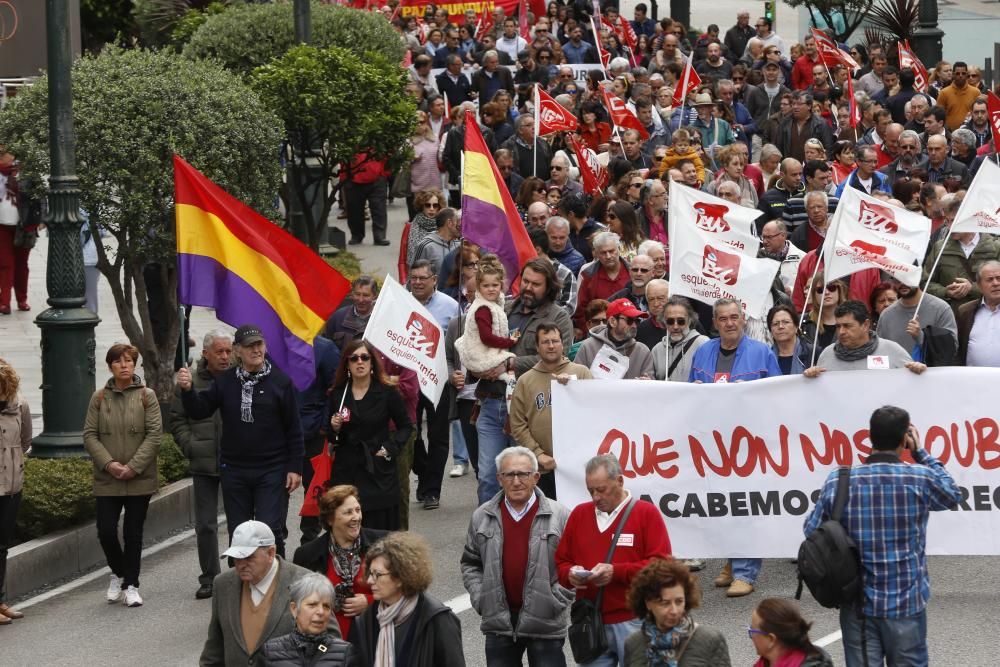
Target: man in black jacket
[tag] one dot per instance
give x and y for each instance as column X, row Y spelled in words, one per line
column 261, row 449
column 803, row 124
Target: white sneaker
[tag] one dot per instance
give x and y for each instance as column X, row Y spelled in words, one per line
column 459, row 470
column 132, row 597
column 114, row 589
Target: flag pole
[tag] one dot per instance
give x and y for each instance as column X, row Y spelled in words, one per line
column 684, row 90
column 182, row 317
column 809, row 287
column 534, row 149
column 934, row 266
column 819, row 322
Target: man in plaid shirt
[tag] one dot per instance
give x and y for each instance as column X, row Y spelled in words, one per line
column 886, row 515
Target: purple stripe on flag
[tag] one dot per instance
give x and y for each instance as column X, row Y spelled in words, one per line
column 203, row 281
column 486, row 225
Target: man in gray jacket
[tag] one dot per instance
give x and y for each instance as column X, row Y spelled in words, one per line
column 619, row 335
column 198, row 440
column 435, row 246
column 508, row 567
column 672, row 356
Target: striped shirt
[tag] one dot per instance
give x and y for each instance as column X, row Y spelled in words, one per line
column 887, row 516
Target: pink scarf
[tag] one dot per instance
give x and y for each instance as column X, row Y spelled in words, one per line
column 791, row 659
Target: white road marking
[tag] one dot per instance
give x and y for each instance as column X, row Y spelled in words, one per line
column 459, row 604
column 829, row 639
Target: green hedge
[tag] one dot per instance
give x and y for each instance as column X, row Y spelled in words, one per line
column 59, row 493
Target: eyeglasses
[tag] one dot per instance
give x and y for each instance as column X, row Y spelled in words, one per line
column 419, row 279
column 754, row 631
column 781, row 323
column 678, row 321
column 376, row 575
column 768, row 237
column 737, row 78
column 639, row 269
column 360, row 357
column 598, row 320
column 521, row 475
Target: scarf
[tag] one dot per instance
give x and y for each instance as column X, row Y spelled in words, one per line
column 421, row 226
column 309, row 644
column 858, row 353
column 793, row 658
column 663, row 646
column 776, row 256
column 388, row 618
column 249, row 381
column 346, row 563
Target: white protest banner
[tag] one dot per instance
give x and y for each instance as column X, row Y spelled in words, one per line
column 866, row 232
column 735, row 468
column 406, row 332
column 727, row 222
column 980, row 210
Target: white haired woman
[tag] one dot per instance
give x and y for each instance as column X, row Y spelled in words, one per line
column 310, row 643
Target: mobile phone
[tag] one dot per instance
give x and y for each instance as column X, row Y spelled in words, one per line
column 583, row 574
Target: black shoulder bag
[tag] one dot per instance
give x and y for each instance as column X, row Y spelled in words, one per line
column 586, row 630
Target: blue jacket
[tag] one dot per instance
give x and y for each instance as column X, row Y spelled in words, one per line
column 754, row 361
column 879, row 182
column 801, row 356
column 313, row 401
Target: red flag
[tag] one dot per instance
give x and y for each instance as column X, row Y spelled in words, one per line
column 522, row 19
column 605, row 56
column 688, row 83
column 907, row 58
column 628, row 35
column 447, row 107
column 993, row 106
column 852, row 103
column 621, row 116
column 485, row 25
column 550, row 116
column 421, row 33
column 595, row 176
column 830, row 53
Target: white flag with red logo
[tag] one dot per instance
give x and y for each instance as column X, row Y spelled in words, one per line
column 621, row 116
column 980, row 210
column 402, row 329
column 689, row 82
column 993, row 106
column 830, row 53
column 907, row 58
column 550, row 116
column 593, row 174
column 713, row 253
column 868, row 233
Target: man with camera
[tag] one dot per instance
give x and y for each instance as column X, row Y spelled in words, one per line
column 886, row 514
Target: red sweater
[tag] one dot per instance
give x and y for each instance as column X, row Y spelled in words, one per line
column 802, row 72
column 516, row 535
column 361, row 587
column 484, row 322
column 596, row 284
column 643, row 538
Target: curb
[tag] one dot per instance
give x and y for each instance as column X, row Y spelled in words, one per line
column 40, row 562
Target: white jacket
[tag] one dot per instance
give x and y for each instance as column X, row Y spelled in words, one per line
column 475, row 355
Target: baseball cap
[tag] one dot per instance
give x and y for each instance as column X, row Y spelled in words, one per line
column 248, row 334
column 770, row 63
column 626, row 308
column 247, row 538
column 523, row 56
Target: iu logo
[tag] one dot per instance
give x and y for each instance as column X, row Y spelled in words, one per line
column 869, row 248
column 878, row 218
column 711, row 217
column 424, row 336
column 720, row 265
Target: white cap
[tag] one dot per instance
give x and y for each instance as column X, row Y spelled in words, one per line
column 248, row 537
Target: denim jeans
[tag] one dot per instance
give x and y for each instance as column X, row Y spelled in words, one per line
column 617, row 634
column 459, row 452
column 746, row 569
column 123, row 559
column 492, row 441
column 503, row 651
column 901, row 641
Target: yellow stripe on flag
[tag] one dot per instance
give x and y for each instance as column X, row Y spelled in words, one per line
column 478, row 180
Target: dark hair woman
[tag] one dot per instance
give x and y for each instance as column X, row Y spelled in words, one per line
column 663, row 594
column 532, row 190
column 122, row 435
column 794, row 354
column 781, row 636
column 362, row 402
column 624, row 222
column 15, row 439
column 340, row 553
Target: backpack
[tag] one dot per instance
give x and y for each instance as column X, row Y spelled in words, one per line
column 829, row 561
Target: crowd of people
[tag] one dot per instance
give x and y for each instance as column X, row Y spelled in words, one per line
column 768, row 128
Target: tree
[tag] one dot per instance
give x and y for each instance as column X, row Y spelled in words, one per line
column 245, row 37
column 133, row 110
column 336, row 105
column 842, row 16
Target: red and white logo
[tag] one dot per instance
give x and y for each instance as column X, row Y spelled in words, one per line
column 869, row 249
column 711, row 217
column 878, row 218
column 424, row 336
column 552, row 116
column 719, row 265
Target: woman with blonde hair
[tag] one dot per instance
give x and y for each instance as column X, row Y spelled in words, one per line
column 15, row 441
column 732, row 164
column 424, row 172
column 821, row 316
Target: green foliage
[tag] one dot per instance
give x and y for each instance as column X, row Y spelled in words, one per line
column 347, row 263
column 103, row 21
column 133, row 110
column 345, row 104
column 246, row 37
column 852, row 11
column 58, row 493
column 171, row 464
column 894, row 20
column 190, row 21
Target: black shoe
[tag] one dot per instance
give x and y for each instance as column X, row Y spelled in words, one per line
column 432, row 503
column 354, row 242
column 204, row 592
column 383, row 242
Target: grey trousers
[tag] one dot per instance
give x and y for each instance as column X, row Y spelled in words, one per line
column 206, row 525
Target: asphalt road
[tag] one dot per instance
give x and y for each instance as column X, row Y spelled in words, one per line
column 77, row 626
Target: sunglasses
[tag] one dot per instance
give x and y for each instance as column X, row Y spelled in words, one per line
column 598, row 320
column 679, row 321
column 628, row 320
column 612, row 216
column 828, row 288
column 430, row 205
column 637, row 269
column 556, row 168
column 359, row 357
column 635, row 185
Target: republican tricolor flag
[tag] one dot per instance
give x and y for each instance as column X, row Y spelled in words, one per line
column 251, row 271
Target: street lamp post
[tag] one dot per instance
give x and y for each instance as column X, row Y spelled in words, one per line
column 927, row 36
column 68, row 346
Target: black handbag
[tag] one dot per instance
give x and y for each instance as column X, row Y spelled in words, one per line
column 586, row 634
